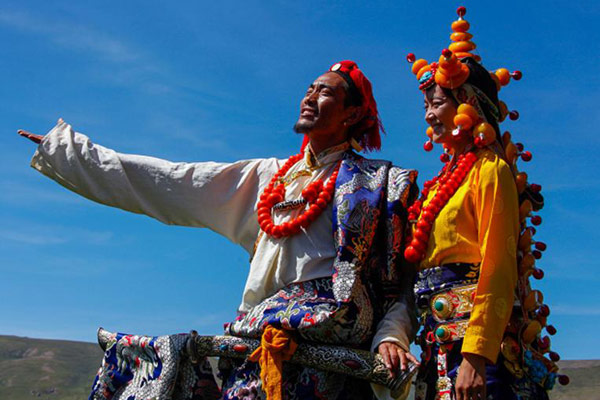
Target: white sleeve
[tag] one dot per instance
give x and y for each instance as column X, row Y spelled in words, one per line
column 396, row 326
column 218, row 196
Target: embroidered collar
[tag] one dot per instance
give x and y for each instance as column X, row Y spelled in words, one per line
column 325, row 157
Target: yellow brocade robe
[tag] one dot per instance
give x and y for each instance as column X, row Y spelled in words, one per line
column 480, row 225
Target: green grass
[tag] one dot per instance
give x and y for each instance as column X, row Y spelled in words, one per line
column 59, row 369
column 47, row 369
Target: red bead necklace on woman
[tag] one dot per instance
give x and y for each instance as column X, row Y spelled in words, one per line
column 317, row 195
column 449, row 180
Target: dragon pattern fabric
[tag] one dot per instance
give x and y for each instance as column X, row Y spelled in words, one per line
column 138, row 367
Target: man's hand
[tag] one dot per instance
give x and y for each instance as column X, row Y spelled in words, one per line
column 32, row 136
column 393, row 355
column 471, row 379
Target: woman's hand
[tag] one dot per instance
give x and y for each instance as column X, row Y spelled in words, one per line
column 393, row 355
column 32, row 136
column 471, row 379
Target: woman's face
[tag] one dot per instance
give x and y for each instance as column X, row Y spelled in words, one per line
column 440, row 110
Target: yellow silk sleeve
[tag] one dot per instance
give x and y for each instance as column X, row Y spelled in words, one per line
column 496, row 207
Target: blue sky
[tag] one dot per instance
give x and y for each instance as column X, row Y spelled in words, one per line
column 193, row 82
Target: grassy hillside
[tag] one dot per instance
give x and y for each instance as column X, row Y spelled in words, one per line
column 46, row 369
column 585, row 380
column 58, row 369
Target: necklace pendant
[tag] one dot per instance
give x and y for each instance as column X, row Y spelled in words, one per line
column 289, row 205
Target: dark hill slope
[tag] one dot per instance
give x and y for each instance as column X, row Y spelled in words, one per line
column 46, row 369
column 59, row 369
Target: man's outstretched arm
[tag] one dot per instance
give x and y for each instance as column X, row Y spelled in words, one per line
column 219, row 196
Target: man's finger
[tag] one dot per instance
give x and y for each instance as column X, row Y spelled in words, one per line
column 403, row 362
column 459, row 394
column 383, row 351
column 395, row 360
column 413, row 358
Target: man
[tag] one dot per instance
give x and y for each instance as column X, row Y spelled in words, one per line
column 324, row 229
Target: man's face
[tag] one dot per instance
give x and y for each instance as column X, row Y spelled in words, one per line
column 322, row 110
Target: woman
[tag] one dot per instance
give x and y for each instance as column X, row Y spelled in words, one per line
column 472, row 244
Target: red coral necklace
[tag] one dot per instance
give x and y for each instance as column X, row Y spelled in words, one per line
column 449, row 180
column 317, row 194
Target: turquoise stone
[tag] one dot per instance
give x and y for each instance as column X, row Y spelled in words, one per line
column 439, row 305
column 440, row 332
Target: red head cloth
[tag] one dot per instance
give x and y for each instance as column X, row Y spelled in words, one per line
column 366, row 131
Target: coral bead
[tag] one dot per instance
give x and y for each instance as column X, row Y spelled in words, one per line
column 513, row 115
column 463, row 121
column 563, row 380
column 525, row 241
column 460, row 26
column 534, row 298
column 541, row 246
column 517, row 75
column 417, row 65
column 428, row 216
column 503, row 76
column 544, row 310
column 286, row 229
column 535, row 188
column 521, row 180
column 531, row 331
column 538, row 273
column 445, row 158
column 429, row 132
column 274, row 198
column 424, row 225
column 460, row 37
column 461, row 11
column 412, row 255
column 520, row 146
column 526, row 156
column 420, row 235
column 486, row 132
column 469, row 110
column 276, row 232
column 511, row 152
column 309, row 194
column 536, row 220
column 446, row 53
column 418, row 245
column 554, row 356
column 496, row 81
column 551, row 330
column 428, row 146
column 537, row 254
column 410, row 57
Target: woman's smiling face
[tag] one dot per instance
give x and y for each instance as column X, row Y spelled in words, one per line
column 440, row 110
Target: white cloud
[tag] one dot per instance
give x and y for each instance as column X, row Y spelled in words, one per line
column 575, row 310
column 37, row 234
column 71, row 36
